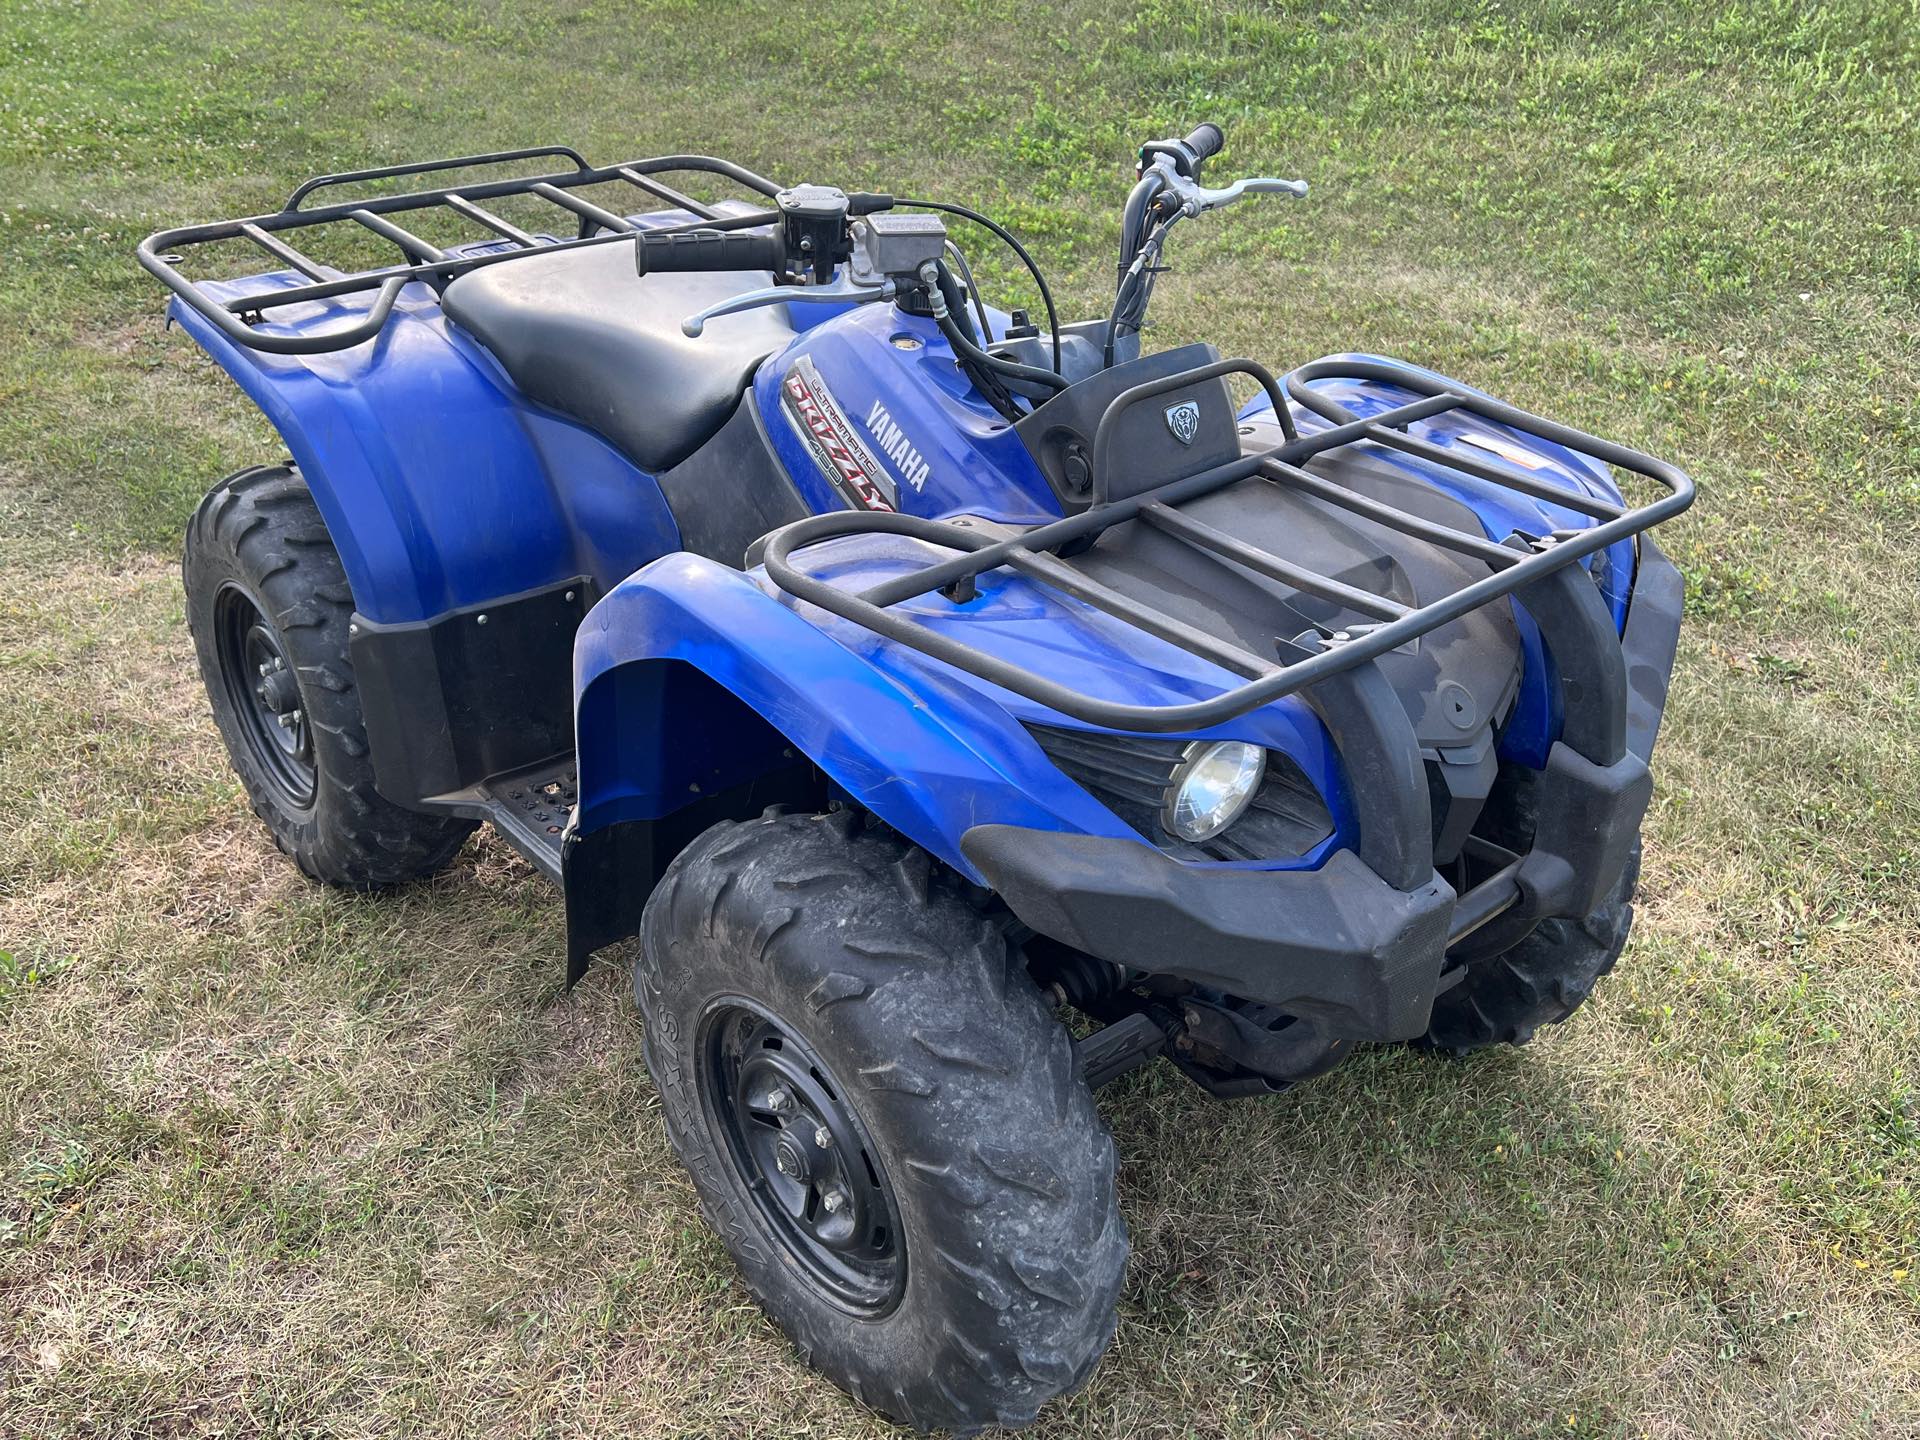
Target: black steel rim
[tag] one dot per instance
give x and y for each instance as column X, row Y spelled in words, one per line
column 803, row 1156
column 264, row 696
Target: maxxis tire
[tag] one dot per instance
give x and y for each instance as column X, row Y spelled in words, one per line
column 967, row 1084
column 1541, row 980
column 259, row 538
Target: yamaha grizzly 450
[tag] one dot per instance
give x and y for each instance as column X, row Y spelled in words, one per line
column 911, row 676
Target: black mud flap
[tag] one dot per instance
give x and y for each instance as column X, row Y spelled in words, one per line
column 608, row 874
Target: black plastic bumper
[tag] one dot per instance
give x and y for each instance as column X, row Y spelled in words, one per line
column 1341, row 944
column 1338, row 944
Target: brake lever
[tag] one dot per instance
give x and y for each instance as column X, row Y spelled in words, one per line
column 844, row 289
column 1194, row 199
column 1205, row 199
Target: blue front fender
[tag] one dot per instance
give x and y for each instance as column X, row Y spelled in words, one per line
column 689, row 677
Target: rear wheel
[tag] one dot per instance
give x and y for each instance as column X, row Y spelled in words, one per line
column 269, row 609
column 882, row 1119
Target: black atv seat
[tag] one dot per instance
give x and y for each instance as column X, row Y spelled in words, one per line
column 581, row 333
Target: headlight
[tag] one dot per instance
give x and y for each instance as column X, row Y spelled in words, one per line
column 1273, row 813
column 1211, row 788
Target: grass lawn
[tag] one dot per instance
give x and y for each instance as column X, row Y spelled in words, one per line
column 275, row 1160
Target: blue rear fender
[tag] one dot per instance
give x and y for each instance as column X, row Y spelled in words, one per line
column 440, row 486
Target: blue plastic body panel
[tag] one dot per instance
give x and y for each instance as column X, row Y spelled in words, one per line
column 975, row 464
column 929, row 749
column 444, row 487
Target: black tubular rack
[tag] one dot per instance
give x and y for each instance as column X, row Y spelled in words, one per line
column 1516, row 564
column 592, row 225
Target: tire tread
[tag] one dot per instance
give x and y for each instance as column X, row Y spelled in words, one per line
column 996, row 1133
column 1541, row 980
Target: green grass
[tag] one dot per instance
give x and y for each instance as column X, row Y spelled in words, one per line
column 279, row 1161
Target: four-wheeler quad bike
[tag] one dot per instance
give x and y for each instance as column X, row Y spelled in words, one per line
column 907, row 674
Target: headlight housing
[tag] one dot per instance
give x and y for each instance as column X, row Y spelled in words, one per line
column 1275, row 815
column 1212, row 788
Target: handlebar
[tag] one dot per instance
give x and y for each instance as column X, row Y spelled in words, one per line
column 655, row 253
column 1168, row 190
column 1170, row 185
column 816, row 256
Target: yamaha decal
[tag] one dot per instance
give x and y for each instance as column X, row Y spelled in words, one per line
column 896, row 447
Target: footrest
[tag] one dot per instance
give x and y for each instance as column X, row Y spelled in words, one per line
column 1112, row 1051
column 531, row 810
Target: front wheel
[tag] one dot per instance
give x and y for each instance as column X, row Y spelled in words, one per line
column 882, row 1119
column 1542, row 980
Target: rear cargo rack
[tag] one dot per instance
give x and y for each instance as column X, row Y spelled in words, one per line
column 1519, row 562
column 592, row 225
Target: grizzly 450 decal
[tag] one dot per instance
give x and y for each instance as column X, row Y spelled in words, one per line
column 856, row 472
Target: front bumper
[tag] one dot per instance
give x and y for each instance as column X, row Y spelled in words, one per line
column 1342, row 945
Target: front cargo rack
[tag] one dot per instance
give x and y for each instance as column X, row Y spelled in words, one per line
column 1521, row 562
column 592, row 225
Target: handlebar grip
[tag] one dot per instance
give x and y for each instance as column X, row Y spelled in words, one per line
column 1205, row 141
column 707, row 250
column 1185, row 155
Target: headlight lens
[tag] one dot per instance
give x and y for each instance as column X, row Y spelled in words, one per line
column 1211, row 788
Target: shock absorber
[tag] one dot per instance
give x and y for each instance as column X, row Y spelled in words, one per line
column 1085, row 982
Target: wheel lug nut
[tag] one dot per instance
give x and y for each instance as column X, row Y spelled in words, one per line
column 832, row 1201
column 289, row 720
column 265, row 669
column 779, row 1100
column 823, row 1137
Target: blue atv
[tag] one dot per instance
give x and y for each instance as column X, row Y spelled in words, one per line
column 961, row 706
